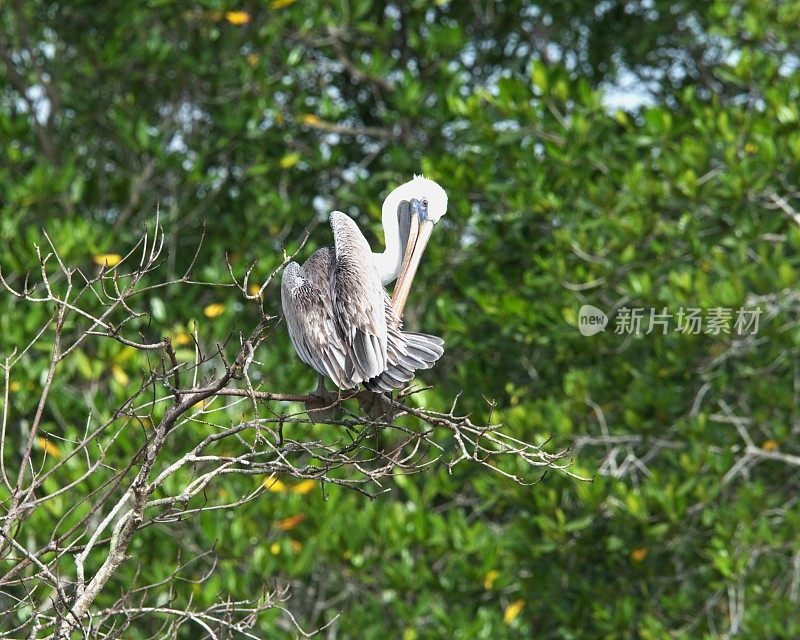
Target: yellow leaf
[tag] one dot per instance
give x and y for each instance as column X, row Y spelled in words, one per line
column 183, row 338
column 637, row 555
column 254, row 289
column 280, row 4
column 289, row 160
column 296, row 545
column 275, row 548
column 107, row 259
column 750, row 148
column 279, row 119
column 119, row 375
column 125, row 354
column 252, row 59
column 512, row 611
column 14, row 386
column 769, row 445
column 214, row 310
column 291, row 522
column 311, row 120
column 304, row 487
column 49, row 448
column 274, row 485
column 237, row 17
column 489, row 579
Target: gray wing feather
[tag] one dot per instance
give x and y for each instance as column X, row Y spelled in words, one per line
column 406, row 352
column 308, row 309
column 358, row 298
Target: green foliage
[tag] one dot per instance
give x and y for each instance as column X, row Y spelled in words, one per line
column 556, row 200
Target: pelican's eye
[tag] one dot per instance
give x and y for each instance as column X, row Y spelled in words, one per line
column 425, row 203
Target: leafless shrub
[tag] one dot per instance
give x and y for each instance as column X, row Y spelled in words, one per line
column 50, row 580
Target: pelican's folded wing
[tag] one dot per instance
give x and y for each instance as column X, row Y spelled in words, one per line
column 308, row 308
column 358, row 300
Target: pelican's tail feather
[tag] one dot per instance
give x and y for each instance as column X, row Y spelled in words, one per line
column 405, row 353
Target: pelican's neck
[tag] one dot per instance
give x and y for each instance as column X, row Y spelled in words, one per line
column 388, row 263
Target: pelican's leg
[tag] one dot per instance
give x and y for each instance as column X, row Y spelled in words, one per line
column 322, row 407
column 377, row 405
column 320, row 390
column 379, row 409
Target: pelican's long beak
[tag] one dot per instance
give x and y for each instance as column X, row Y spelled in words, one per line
column 418, row 236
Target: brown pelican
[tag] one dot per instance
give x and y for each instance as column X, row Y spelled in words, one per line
column 341, row 321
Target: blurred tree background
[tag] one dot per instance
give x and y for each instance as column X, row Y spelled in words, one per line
column 614, row 153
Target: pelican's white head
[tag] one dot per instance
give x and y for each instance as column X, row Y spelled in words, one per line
column 431, row 197
column 417, row 205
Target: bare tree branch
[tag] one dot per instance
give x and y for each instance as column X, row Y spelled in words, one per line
column 112, row 496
